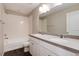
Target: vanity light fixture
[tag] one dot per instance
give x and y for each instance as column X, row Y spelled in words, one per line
column 57, row 4
column 44, row 8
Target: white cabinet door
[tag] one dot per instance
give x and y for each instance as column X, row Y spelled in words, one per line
column 39, row 50
column 31, row 48
column 58, row 51
column 34, row 47
column 45, row 52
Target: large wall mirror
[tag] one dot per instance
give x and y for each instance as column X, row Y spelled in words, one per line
column 60, row 19
column 73, row 23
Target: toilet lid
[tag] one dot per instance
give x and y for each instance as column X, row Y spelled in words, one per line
column 26, row 43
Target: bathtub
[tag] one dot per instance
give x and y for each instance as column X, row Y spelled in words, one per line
column 12, row 44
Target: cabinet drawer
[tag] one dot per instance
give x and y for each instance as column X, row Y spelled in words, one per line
column 45, row 52
column 38, row 50
column 57, row 50
column 34, row 40
column 47, row 49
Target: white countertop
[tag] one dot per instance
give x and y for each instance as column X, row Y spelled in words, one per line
column 68, row 42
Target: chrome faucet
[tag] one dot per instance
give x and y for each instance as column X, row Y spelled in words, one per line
column 61, row 36
column 6, row 37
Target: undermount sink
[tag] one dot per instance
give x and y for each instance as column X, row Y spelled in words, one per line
column 45, row 36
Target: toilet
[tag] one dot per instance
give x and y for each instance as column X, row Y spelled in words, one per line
column 26, row 46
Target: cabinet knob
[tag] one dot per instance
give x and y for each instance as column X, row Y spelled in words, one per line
column 32, row 43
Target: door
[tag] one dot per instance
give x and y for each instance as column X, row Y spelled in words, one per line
column 45, row 51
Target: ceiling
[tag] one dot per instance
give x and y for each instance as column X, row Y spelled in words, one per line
column 26, row 8
column 58, row 8
column 20, row 8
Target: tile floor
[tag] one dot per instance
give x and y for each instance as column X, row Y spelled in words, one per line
column 17, row 52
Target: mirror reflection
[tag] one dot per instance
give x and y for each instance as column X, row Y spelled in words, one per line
column 61, row 18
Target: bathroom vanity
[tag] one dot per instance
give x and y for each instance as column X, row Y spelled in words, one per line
column 48, row 45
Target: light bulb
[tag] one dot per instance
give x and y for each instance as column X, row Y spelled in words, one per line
column 44, row 8
column 56, row 4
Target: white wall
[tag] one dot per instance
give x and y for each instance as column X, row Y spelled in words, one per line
column 34, row 19
column 1, row 29
column 43, row 25
column 14, row 29
column 30, row 24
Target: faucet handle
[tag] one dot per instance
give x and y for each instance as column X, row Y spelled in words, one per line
column 5, row 36
column 61, row 36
